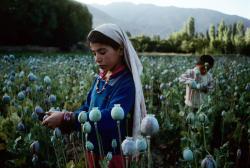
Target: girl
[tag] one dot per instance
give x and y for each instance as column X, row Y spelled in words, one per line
column 118, row 83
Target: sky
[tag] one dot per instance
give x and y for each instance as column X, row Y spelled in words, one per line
column 232, row 7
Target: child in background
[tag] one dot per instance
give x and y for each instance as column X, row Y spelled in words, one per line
column 118, row 83
column 198, row 82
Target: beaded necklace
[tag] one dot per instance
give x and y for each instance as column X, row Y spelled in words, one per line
column 118, row 69
column 103, row 87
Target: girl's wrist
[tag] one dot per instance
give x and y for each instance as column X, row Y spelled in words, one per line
column 68, row 117
column 67, row 124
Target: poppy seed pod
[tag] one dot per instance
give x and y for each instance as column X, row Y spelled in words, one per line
column 238, row 154
column 39, row 89
column 247, row 88
column 34, row 116
column 208, row 162
column 89, row 146
column 128, row 146
column 38, row 110
column 47, row 80
column 34, row 159
column 35, row 147
column 21, row 74
column 190, row 118
column 202, row 117
column 86, row 127
column 32, row 77
column 141, row 144
column 223, row 113
column 57, row 133
column 95, row 114
column 117, row 112
column 6, row 99
column 52, row 99
column 82, row 117
column 109, row 156
column 53, row 139
column 187, row 154
column 21, row 127
column 21, row 96
column 149, row 125
column 114, row 143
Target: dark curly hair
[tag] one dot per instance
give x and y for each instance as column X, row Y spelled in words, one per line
column 206, row 59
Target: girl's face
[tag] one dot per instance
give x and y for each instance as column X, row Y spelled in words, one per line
column 106, row 57
column 202, row 69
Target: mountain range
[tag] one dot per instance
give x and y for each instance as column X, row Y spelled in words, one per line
column 152, row 20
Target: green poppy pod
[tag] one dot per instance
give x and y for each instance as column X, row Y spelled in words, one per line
column 187, row 154
column 141, row 144
column 114, row 143
column 82, row 117
column 202, row 117
column 35, row 159
column 208, row 162
column 95, row 114
column 57, row 133
column 128, row 146
column 149, row 125
column 190, row 118
column 6, row 99
column 109, row 156
column 117, row 113
column 53, row 139
column 89, row 146
column 35, row 147
column 47, row 80
column 86, row 127
column 21, row 96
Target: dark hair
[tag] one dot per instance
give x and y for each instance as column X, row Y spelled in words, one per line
column 206, row 59
column 98, row 37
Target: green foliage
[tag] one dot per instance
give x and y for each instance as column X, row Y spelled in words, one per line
column 228, row 39
column 190, row 27
column 59, row 23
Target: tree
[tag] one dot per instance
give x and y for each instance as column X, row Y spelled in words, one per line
column 212, row 32
column 43, row 22
column 239, row 39
column 221, row 29
column 226, row 41
column 190, row 27
column 247, row 36
column 212, row 36
column 247, row 39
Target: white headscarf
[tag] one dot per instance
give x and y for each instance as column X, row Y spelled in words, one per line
column 133, row 63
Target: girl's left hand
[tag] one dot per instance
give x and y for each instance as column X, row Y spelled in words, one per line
column 53, row 120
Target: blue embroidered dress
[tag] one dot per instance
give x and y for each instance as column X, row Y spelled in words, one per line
column 120, row 90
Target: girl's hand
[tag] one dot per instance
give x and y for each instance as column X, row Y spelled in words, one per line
column 53, row 120
column 193, row 84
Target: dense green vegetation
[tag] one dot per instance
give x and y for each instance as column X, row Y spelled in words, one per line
column 59, row 23
column 221, row 39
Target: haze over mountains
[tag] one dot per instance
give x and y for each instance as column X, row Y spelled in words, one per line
column 157, row 20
